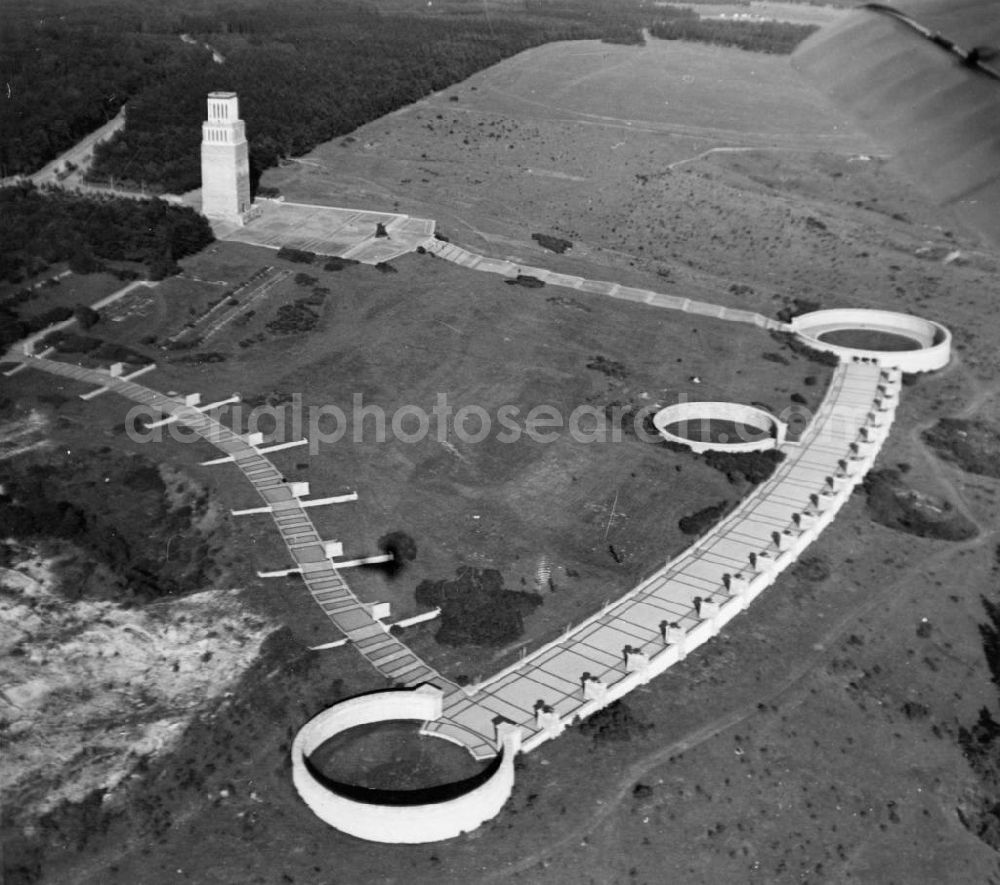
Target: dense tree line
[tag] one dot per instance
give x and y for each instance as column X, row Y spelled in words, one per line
column 66, row 73
column 778, row 38
column 41, row 227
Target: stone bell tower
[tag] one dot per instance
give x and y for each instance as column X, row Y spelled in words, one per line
column 225, row 160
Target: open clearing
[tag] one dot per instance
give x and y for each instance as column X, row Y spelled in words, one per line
column 785, row 750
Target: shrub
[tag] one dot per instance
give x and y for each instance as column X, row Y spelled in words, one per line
column 789, row 340
column 797, row 307
column 293, row 318
column 403, row 549
column 399, row 544
column 615, row 722
column 298, row 256
column 476, row 609
column 529, row 282
column 699, row 522
column 336, row 263
column 812, row 568
column 553, row 244
column 751, row 467
column 611, row 368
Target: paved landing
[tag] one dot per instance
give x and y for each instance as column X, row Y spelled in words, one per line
column 326, row 230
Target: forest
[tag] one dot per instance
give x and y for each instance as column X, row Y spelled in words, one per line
column 778, row 38
column 41, row 227
column 306, row 70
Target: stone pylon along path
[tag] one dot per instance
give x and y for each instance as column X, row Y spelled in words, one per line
column 330, row 591
column 689, row 600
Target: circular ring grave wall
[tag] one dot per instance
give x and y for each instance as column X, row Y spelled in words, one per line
column 931, row 341
column 405, row 816
column 744, row 417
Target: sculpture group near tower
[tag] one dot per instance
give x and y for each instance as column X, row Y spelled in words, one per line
column 225, row 161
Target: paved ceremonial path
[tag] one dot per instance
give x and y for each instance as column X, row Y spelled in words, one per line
column 506, row 267
column 653, row 626
column 553, row 675
column 328, row 588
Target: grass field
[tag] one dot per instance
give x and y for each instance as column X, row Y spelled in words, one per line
column 702, row 171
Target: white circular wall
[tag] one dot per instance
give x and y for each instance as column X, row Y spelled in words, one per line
column 749, row 417
column 398, row 821
column 932, row 341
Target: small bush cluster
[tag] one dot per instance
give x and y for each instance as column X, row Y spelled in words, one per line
column 553, row 244
column 702, row 520
column 615, row 722
column 812, row 568
column 335, row 263
column 298, row 256
column 299, row 316
column 529, row 282
column 797, row 307
column 776, row 358
column 476, row 608
column 789, row 340
column 751, row 467
column 71, row 342
column 611, row 368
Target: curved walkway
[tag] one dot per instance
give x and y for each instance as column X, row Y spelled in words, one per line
column 386, row 653
column 677, row 608
column 641, row 634
column 691, row 598
column 507, row 268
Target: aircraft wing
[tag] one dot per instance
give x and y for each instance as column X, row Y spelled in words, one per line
column 923, row 77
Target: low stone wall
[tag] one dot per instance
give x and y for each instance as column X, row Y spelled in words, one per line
column 401, row 817
column 934, row 340
column 742, row 415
